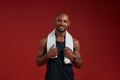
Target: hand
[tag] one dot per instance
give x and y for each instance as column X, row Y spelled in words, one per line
column 68, row 53
column 52, row 52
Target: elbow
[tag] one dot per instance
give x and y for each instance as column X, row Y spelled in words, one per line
column 78, row 65
column 38, row 63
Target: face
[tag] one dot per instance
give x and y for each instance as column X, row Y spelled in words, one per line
column 62, row 22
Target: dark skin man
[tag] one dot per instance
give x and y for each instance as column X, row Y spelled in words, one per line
column 62, row 21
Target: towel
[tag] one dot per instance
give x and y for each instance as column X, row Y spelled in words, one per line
column 51, row 40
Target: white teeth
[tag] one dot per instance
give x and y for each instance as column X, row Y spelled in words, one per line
column 61, row 27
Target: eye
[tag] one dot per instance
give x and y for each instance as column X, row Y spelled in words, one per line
column 65, row 21
column 59, row 20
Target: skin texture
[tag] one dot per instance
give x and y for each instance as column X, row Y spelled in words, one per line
column 62, row 21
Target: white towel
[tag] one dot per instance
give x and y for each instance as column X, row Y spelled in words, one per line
column 51, row 40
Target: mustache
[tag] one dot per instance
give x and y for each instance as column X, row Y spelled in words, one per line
column 61, row 26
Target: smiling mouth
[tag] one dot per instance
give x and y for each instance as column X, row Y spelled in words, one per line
column 61, row 26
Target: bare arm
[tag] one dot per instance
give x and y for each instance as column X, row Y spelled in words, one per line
column 74, row 56
column 77, row 61
column 42, row 57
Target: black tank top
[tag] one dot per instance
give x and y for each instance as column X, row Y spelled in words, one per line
column 56, row 69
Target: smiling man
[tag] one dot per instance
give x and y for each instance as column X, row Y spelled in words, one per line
column 60, row 51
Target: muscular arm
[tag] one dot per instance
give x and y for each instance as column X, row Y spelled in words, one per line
column 74, row 56
column 78, row 60
column 42, row 56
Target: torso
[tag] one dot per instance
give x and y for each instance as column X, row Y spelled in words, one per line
column 56, row 69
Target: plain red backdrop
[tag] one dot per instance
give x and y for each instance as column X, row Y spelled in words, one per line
column 94, row 23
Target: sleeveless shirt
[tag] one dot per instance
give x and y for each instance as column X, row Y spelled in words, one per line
column 56, row 69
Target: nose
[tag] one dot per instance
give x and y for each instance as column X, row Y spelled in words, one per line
column 62, row 22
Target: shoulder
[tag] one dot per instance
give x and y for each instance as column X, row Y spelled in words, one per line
column 43, row 41
column 76, row 41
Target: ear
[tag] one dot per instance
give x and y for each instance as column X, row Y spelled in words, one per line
column 68, row 23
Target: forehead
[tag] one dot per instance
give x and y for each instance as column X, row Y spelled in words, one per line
column 62, row 16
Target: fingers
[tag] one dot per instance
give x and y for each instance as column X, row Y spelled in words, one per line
column 53, row 51
column 53, row 46
column 67, row 49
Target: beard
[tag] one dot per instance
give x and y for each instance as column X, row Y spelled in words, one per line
column 61, row 29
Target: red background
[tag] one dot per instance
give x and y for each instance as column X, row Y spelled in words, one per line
column 94, row 23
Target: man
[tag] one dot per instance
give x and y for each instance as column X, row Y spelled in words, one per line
column 57, row 69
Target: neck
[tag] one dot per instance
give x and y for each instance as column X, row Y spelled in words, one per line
column 60, row 36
